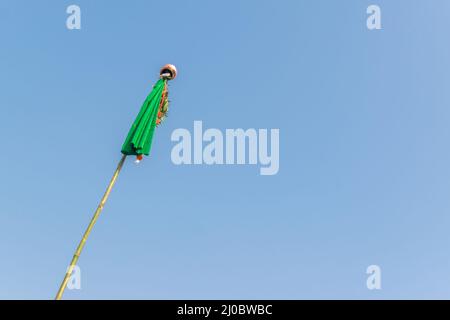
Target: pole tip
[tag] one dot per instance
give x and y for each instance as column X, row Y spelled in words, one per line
column 169, row 71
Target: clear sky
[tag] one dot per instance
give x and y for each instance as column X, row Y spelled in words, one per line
column 364, row 149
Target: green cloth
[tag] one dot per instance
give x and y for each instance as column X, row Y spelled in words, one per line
column 139, row 138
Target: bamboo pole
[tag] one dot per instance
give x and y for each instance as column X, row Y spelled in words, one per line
column 89, row 229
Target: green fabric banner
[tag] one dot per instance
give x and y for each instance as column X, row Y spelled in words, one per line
column 139, row 138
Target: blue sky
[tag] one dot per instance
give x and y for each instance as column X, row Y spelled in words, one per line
column 364, row 160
